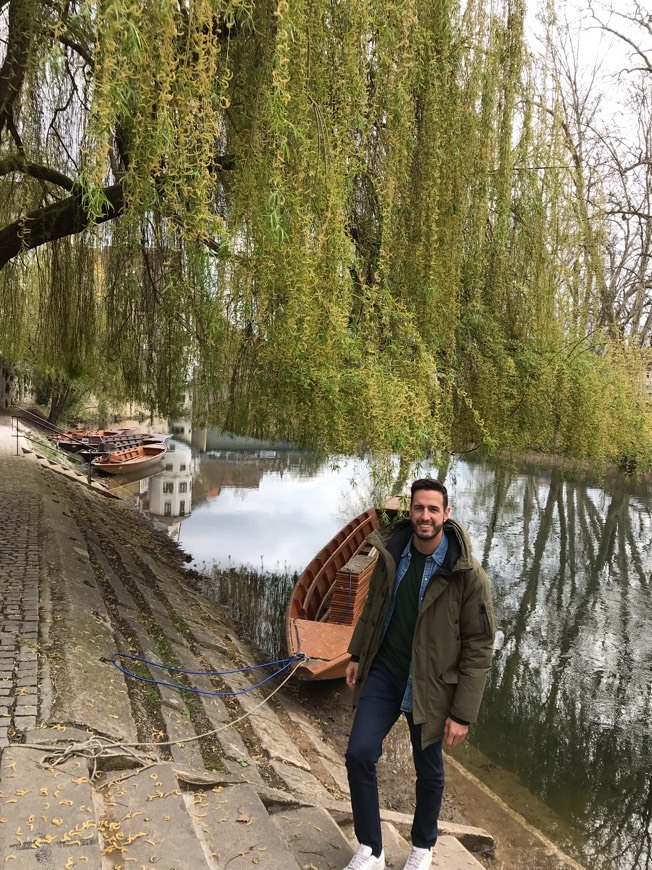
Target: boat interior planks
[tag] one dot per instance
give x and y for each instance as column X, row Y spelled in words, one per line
column 326, row 644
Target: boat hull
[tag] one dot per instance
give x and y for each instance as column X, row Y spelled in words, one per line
column 131, row 459
column 329, row 597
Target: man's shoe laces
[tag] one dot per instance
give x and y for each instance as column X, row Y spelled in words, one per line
column 419, row 859
column 364, row 859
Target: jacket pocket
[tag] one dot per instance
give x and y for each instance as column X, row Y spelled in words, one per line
column 450, row 677
column 485, row 620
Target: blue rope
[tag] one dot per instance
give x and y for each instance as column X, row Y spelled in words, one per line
column 298, row 656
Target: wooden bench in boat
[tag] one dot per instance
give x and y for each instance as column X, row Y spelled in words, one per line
column 124, row 455
column 350, row 588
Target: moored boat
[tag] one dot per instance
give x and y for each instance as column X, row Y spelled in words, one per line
column 137, row 458
column 329, row 596
column 94, row 435
column 95, row 442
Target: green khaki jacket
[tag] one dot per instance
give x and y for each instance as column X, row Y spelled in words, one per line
column 454, row 633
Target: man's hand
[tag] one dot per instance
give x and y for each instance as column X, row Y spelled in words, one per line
column 352, row 674
column 454, row 733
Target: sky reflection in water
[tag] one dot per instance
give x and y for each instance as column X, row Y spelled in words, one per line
column 281, row 523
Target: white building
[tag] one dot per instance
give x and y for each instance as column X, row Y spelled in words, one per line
column 170, row 492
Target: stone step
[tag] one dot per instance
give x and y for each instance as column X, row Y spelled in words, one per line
column 185, row 749
column 450, row 854
column 229, row 739
column 178, row 597
column 263, row 720
column 145, row 823
column 48, row 819
column 92, row 695
column 313, row 838
column 303, row 784
column 331, row 760
column 238, row 831
column 473, row 839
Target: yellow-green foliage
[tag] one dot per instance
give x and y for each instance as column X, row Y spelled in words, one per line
column 338, row 226
column 603, row 407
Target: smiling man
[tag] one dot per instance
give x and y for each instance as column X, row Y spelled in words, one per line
column 422, row 647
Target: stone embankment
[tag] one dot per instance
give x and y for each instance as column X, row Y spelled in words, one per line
column 102, row 771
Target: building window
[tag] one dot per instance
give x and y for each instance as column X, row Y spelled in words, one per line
column 182, row 508
column 183, row 487
column 167, row 509
column 182, row 467
column 168, row 487
column 168, row 466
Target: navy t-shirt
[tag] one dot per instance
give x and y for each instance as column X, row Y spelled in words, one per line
column 396, row 649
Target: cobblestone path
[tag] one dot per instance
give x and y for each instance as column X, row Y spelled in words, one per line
column 20, row 562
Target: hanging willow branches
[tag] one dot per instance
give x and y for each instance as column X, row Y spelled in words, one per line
column 325, row 218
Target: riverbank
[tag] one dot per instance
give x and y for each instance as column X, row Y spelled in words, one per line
column 105, row 580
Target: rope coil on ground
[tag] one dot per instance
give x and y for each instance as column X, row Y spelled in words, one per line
column 97, row 747
column 286, row 663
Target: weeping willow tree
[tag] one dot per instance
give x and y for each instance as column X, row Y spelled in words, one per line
column 321, row 217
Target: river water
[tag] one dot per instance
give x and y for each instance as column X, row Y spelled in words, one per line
column 564, row 733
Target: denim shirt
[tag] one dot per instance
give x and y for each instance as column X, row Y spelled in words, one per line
column 433, row 564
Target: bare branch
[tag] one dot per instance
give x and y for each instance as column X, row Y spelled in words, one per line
column 622, row 36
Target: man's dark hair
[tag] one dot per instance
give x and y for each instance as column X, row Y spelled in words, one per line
column 429, row 483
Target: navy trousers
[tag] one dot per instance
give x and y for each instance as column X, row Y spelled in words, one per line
column 378, row 709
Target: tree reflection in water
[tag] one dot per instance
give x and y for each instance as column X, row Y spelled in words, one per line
column 257, row 600
column 568, row 703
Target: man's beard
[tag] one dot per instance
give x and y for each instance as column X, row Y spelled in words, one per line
column 427, row 533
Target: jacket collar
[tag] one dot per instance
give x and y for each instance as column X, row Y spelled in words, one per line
column 395, row 537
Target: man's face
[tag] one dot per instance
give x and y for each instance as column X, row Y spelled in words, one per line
column 428, row 515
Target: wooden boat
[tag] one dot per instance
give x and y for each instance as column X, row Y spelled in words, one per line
column 88, row 452
column 329, row 597
column 93, row 443
column 130, row 459
column 94, row 435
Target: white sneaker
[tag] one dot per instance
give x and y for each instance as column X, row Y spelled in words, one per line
column 364, row 859
column 419, row 859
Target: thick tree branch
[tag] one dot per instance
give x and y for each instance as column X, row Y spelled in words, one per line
column 629, row 212
column 68, row 216
column 64, row 218
column 79, row 41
